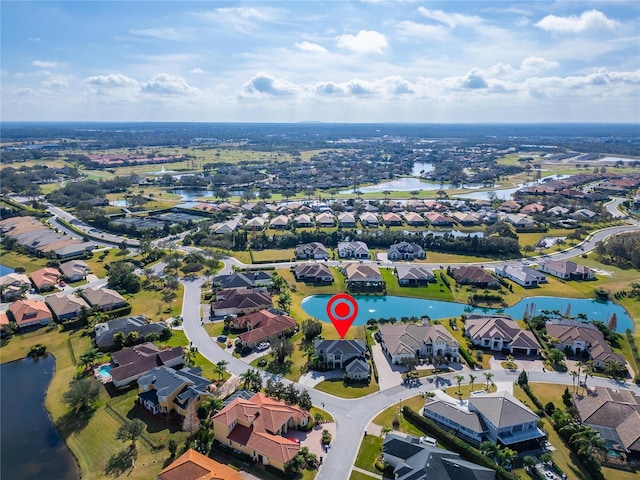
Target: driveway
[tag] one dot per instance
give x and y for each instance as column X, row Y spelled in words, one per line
column 313, row 377
column 313, row 438
column 388, row 375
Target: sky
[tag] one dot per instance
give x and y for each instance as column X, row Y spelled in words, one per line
column 330, row 61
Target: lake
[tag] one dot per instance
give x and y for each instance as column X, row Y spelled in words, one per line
column 193, row 194
column 390, row 306
column 4, row 270
column 30, row 446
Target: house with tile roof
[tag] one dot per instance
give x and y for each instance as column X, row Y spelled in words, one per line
column 361, row 275
column 5, row 327
column 258, row 427
column 30, row 313
column 325, row 220
column 303, row 221
column 13, row 285
column 239, row 301
column 410, row 340
column 104, row 299
column 66, row 307
column 163, row 390
column 313, row 273
column 357, row 249
column 369, row 219
column 412, row 460
column 45, row 279
column 414, row 219
column 438, row 220
column 263, row 325
column 279, row 223
column 405, row 251
column 615, row 415
column 500, row 333
column 346, row 220
column 344, row 354
column 255, row 223
column 465, row 219
column 524, row 276
column 410, row 275
column 192, row 465
column 532, row 208
column 244, row 279
column 129, row 364
column 74, row 270
column 473, row 275
column 391, row 219
column 311, row 251
column 580, row 337
column 567, row 270
column 104, row 332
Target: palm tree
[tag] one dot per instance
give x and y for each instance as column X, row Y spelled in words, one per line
column 251, row 380
column 220, row 368
column 190, row 355
column 510, row 361
column 588, row 370
column 488, row 376
column 211, row 404
column 586, row 439
column 574, row 375
column 459, row 379
column 472, row 378
column 89, row 357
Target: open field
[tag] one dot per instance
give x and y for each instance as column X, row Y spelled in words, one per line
column 12, row 259
column 370, row 449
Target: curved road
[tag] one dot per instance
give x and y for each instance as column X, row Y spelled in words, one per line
column 352, row 416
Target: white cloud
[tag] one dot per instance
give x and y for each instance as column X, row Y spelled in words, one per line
column 43, row 64
column 247, row 12
column 263, row 84
column 113, row 80
column 366, row 41
column 536, row 65
column 167, row 84
column 452, row 20
column 56, row 82
column 198, row 71
column 25, row 92
column 310, row 47
column 168, row 33
column 588, row 21
column 415, row 29
column 474, row 80
column 329, row 88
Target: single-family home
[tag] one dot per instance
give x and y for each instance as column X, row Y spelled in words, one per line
column 65, row 307
column 412, row 460
column 500, row 333
column 615, row 415
column 279, row 223
column 103, row 299
column 74, row 270
column 165, row 390
column 362, row 275
column 409, row 340
column 29, row 313
column 239, row 301
column 519, row 220
column 346, row 220
column 193, row 465
column 583, row 213
column 263, row 325
column 13, row 285
column 409, row 275
column 129, row 364
column 255, row 224
column 532, row 208
column 522, row 275
column 510, row 206
column 567, row 270
column 438, row 220
column 105, row 332
column 258, row 427
column 244, row 279
column 45, row 279
column 5, row 326
column 405, row 251
column 391, row 219
column 313, row 273
column 501, row 419
column 583, row 337
column 369, row 219
column 558, row 211
column 472, row 275
column 414, row 219
column 325, row 220
column 465, row 219
column 355, row 249
column 303, row 221
column 313, row 251
column 224, row 228
column 344, row 354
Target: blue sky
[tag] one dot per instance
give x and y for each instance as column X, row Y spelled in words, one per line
column 333, row 61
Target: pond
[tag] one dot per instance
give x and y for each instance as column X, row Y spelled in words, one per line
column 193, row 194
column 407, row 184
column 390, row 306
column 30, row 445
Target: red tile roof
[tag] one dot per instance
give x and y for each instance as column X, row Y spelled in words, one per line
column 264, row 325
column 29, row 311
column 192, row 465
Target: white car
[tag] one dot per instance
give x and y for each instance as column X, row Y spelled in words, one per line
column 263, row 346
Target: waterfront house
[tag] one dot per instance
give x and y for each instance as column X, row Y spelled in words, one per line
column 472, row 275
column 500, row 333
column 439, row 220
column 129, row 364
column 325, row 220
column 409, row 275
column 45, row 279
column 414, row 219
column 29, row 313
column 567, row 270
column 523, row 276
column 519, row 220
column 165, row 390
column 313, row 273
column 255, row 224
column 303, row 221
column 192, row 465
column 103, row 299
column 65, row 307
column 410, row 340
column 239, row 301
column 363, row 275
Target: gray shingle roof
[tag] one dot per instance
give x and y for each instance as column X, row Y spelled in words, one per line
column 502, row 409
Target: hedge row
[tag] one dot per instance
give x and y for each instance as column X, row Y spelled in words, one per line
column 467, row 356
column 451, row 442
column 373, row 363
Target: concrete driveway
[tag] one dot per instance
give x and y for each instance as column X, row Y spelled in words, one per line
column 313, row 438
column 388, row 375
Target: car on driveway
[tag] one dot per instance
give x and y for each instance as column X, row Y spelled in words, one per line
column 263, row 346
column 222, row 338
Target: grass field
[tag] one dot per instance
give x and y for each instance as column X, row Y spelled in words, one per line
column 370, row 449
column 12, row 259
column 351, row 390
column 273, row 255
column 385, row 418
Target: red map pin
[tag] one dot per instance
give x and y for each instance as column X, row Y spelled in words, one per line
column 342, row 310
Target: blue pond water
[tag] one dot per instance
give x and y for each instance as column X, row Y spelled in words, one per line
column 389, row 306
column 4, row 270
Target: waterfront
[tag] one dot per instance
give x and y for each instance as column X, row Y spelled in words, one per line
column 4, row 270
column 390, row 306
column 30, row 446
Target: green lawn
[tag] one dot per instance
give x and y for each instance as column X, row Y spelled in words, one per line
column 355, row 390
column 466, row 390
column 13, row 259
column 360, row 476
column 150, row 303
column 435, row 291
column 273, row 255
column 385, row 418
column 370, row 449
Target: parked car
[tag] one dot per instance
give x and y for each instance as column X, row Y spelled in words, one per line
column 263, row 346
column 222, row 338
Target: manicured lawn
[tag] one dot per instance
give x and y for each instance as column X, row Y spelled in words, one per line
column 370, row 449
column 355, row 475
column 327, row 415
column 436, row 291
column 150, row 303
column 465, row 390
column 13, row 259
column 354, row 390
column 385, row 418
column 273, row 255
column 97, row 264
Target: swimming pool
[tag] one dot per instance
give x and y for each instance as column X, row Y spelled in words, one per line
column 104, row 371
